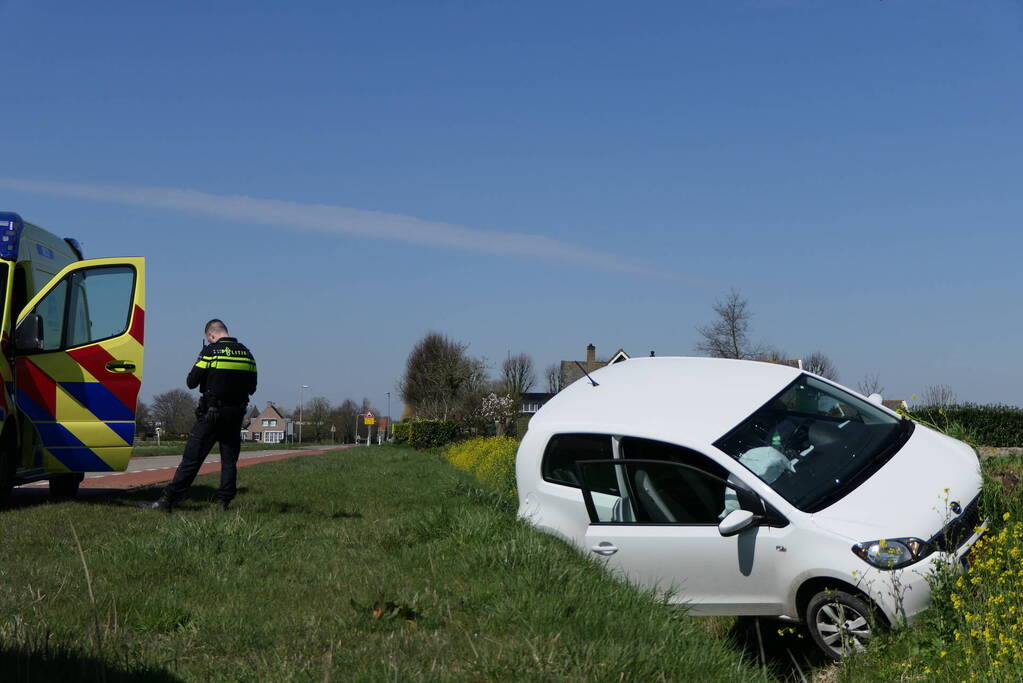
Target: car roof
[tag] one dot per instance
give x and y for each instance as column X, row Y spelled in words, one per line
column 684, row 400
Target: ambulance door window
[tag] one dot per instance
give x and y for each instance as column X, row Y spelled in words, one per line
column 101, row 304
column 51, row 310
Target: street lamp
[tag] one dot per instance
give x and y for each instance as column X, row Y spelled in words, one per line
column 301, row 403
column 387, row 432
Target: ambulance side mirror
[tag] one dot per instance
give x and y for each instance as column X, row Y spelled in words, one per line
column 29, row 335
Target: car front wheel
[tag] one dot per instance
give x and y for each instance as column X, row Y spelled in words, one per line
column 841, row 624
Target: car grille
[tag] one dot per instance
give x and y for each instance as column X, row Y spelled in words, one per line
column 959, row 530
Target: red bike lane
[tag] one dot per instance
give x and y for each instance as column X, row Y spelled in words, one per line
column 114, row 482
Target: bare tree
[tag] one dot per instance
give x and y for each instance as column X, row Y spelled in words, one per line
column 344, row 418
column 769, row 354
column 553, row 376
column 820, row 364
column 315, row 419
column 517, row 376
column 870, row 384
column 728, row 335
column 175, row 410
column 938, row 396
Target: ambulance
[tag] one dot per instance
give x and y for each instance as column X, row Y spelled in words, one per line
column 71, row 340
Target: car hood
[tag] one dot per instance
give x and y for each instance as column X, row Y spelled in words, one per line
column 912, row 495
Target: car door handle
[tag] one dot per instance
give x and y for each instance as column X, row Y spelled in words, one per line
column 120, row 366
column 604, row 548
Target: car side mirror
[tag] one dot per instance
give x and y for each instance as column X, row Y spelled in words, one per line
column 29, row 334
column 876, row 399
column 737, row 521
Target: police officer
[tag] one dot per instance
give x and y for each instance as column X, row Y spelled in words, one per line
column 226, row 376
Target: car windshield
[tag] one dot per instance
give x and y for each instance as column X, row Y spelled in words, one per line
column 813, row 443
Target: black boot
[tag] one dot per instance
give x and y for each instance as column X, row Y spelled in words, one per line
column 224, row 505
column 163, row 504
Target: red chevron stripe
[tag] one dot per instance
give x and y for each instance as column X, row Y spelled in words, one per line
column 138, row 325
column 124, row 386
column 39, row 386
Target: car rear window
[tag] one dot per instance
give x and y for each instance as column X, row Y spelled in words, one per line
column 564, row 450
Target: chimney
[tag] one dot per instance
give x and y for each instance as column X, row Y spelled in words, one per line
column 269, row 404
column 591, row 357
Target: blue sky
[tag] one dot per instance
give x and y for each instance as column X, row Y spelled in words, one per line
column 336, row 179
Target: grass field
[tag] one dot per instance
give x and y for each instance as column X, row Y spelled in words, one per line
column 366, row 564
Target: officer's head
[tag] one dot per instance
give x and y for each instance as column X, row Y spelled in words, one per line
column 215, row 329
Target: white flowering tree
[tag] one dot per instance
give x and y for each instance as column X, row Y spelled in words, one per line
column 498, row 409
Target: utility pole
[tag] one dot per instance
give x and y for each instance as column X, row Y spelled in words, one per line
column 301, row 403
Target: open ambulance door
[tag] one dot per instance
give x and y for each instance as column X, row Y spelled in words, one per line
column 78, row 366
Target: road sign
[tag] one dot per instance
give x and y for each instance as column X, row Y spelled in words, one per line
column 369, row 419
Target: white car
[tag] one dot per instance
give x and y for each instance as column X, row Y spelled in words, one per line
column 747, row 488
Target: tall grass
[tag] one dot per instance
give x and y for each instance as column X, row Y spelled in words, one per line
column 368, row 564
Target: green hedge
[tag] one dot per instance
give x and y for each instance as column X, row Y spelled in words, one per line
column 491, row 460
column 987, row 425
column 421, row 434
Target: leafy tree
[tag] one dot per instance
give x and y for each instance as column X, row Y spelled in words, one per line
column 441, row 380
column 175, row 410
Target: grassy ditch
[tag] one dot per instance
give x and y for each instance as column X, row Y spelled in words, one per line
column 974, row 628
column 973, row 631
column 366, row 564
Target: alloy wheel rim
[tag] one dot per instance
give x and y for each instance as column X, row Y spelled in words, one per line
column 842, row 628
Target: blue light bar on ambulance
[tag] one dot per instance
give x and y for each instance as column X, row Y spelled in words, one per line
column 76, row 246
column 11, row 226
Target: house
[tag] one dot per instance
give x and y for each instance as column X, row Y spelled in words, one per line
column 266, row 427
column 570, row 370
column 532, row 401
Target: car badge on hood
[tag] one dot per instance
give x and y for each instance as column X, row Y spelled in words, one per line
column 955, row 507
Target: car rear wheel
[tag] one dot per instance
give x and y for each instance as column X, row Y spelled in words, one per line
column 840, row 624
column 65, row 486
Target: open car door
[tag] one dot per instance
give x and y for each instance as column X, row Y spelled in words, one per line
column 78, row 368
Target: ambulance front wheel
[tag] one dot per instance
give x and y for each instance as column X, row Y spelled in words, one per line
column 65, row 486
column 7, row 471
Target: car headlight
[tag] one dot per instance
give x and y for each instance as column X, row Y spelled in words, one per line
column 892, row 553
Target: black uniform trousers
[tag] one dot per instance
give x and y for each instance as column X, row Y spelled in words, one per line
column 227, row 429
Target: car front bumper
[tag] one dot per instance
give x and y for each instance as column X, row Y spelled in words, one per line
column 903, row 594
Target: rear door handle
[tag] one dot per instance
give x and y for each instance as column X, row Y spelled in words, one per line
column 120, row 366
column 604, row 548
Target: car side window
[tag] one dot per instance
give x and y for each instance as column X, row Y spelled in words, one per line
column 564, row 450
column 658, row 492
column 633, row 448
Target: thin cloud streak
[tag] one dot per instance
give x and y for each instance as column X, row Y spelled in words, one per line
column 339, row 220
